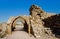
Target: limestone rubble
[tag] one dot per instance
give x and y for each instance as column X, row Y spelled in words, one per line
column 39, row 20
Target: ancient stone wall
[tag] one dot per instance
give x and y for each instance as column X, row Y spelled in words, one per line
column 39, row 23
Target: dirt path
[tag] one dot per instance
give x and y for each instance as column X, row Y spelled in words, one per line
column 19, row 34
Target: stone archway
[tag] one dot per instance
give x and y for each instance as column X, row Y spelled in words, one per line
column 11, row 22
column 22, row 20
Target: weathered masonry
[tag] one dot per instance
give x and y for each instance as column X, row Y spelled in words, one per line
column 39, row 23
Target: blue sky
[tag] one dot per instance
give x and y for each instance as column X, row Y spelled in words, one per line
column 21, row 7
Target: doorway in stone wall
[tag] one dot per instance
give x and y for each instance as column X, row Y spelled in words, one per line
column 19, row 24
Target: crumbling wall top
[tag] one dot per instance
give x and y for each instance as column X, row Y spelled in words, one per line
column 36, row 9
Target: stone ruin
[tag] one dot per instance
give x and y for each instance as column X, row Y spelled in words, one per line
column 39, row 23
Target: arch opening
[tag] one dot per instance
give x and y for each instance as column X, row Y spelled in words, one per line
column 20, row 23
column 13, row 22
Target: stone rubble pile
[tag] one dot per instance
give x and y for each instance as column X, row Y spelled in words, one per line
column 37, row 23
column 54, row 23
column 3, row 30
